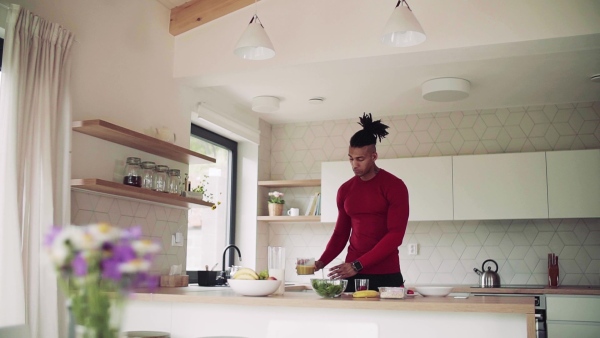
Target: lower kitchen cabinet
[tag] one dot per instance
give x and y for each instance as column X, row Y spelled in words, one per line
column 573, row 316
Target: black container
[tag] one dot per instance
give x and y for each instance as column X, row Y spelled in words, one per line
column 203, row 278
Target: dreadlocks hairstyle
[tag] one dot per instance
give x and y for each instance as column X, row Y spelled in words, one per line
column 370, row 132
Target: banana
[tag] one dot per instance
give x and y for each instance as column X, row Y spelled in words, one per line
column 365, row 294
column 245, row 273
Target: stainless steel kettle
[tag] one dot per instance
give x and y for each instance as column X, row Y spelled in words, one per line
column 489, row 278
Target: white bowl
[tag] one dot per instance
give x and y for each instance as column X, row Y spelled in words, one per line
column 433, row 291
column 253, row 287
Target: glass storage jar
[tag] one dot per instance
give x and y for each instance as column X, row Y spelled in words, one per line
column 161, row 178
column 148, row 174
column 133, row 172
column 174, row 180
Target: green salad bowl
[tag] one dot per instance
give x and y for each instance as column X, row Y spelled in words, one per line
column 329, row 288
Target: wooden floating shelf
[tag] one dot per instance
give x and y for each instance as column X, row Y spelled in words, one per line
column 118, row 189
column 289, row 218
column 290, row 183
column 129, row 138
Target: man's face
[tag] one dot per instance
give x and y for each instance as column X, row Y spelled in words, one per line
column 362, row 160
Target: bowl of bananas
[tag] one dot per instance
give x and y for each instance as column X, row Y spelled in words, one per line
column 329, row 288
column 247, row 282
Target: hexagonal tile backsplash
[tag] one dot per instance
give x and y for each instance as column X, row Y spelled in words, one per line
column 158, row 222
column 448, row 251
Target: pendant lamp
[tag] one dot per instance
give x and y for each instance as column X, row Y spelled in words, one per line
column 254, row 44
column 403, row 29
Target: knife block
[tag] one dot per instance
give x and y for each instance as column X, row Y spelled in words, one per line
column 553, row 275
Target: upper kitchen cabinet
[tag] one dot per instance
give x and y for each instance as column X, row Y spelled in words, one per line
column 573, row 183
column 333, row 175
column 428, row 179
column 500, row 186
column 429, row 183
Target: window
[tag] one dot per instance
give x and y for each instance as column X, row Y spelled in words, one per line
column 210, row 231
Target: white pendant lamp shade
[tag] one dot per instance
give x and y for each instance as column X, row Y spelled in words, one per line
column 403, row 29
column 446, row 89
column 254, row 44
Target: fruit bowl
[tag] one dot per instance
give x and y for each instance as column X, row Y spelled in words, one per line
column 253, row 287
column 329, row 288
column 433, row 291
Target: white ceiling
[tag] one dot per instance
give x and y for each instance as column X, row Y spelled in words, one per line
column 514, row 53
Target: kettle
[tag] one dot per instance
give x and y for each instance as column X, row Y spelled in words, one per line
column 489, row 278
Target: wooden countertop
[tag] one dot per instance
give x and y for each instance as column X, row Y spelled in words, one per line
column 541, row 290
column 194, row 294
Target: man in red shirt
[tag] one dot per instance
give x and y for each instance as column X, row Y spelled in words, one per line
column 372, row 213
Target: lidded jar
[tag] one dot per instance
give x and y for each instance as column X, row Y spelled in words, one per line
column 133, row 172
column 148, row 174
column 161, row 178
column 174, row 180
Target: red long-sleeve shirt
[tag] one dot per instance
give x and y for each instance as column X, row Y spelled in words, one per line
column 373, row 214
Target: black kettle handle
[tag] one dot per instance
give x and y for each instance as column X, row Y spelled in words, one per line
column 489, row 260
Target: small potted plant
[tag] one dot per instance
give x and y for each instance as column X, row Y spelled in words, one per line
column 276, row 203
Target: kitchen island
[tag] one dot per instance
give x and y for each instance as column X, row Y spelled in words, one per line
column 195, row 312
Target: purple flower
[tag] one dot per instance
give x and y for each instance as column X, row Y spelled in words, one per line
column 115, row 256
column 50, row 236
column 132, row 233
column 80, row 266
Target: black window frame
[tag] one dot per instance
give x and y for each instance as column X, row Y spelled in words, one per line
column 232, row 146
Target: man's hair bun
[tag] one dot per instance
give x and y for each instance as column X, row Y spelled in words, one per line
column 372, row 130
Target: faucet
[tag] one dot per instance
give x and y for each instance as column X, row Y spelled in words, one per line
column 223, row 275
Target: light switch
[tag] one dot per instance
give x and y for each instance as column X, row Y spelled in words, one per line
column 413, row 249
column 177, row 239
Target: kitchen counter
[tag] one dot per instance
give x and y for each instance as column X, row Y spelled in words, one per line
column 533, row 290
column 194, row 294
column 195, row 311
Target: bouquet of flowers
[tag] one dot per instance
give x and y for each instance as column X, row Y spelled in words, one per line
column 276, row 197
column 97, row 266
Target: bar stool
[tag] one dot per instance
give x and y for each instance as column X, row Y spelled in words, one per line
column 146, row 334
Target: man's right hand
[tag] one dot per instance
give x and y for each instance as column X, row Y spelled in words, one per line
column 319, row 265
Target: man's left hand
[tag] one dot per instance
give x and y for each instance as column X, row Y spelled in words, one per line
column 342, row 271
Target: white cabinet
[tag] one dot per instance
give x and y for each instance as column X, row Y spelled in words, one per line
column 429, row 183
column 333, row 175
column 573, row 316
column 428, row 179
column 500, row 186
column 574, row 183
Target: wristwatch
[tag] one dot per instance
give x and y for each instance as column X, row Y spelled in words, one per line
column 356, row 266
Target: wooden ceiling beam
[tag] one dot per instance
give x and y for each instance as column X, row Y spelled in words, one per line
column 198, row 12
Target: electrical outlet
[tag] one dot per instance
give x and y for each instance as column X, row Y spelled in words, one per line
column 413, row 249
column 177, row 239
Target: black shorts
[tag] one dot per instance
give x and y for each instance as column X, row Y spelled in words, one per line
column 375, row 281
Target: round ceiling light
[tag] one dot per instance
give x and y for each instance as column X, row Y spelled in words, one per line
column 445, row 89
column 316, row 100
column 265, row 104
column 595, row 78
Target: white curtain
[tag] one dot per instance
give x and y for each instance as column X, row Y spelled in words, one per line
column 35, row 119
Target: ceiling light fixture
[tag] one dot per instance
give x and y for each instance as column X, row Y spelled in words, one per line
column 595, row 78
column 403, row 29
column 265, row 104
column 446, row 89
column 254, row 44
column 316, row 100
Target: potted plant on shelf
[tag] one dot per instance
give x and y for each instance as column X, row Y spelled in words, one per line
column 276, row 203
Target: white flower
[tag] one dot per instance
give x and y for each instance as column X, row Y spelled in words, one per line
column 104, row 232
column 60, row 250
column 145, row 246
column 135, row 265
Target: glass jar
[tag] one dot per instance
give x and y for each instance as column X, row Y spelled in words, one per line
column 148, row 174
column 174, row 180
column 161, row 178
column 133, row 172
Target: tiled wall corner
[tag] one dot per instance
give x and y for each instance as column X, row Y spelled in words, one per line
column 158, row 222
column 450, row 250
